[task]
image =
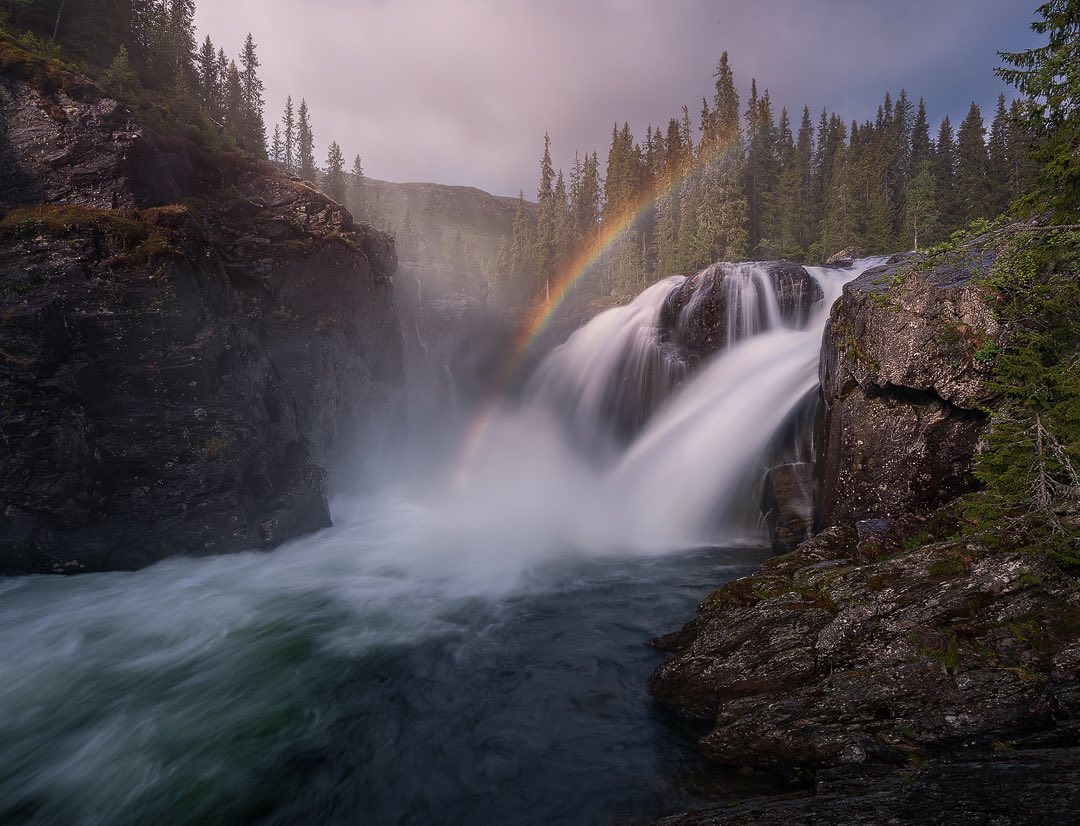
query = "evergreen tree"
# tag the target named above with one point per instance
(948, 209)
(357, 192)
(921, 147)
(920, 206)
(289, 135)
(275, 145)
(838, 228)
(1022, 170)
(544, 255)
(334, 182)
(305, 144)
(725, 104)
(251, 90)
(233, 113)
(120, 79)
(180, 42)
(209, 86)
(564, 225)
(795, 231)
(1049, 78)
(972, 185)
(896, 152)
(998, 159)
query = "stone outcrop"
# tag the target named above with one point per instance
(897, 654)
(695, 317)
(177, 373)
(1029, 786)
(788, 503)
(904, 368)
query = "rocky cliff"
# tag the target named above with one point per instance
(904, 373)
(894, 654)
(186, 338)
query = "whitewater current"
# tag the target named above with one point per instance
(460, 653)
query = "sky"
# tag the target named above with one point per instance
(462, 91)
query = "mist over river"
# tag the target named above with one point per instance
(348, 677)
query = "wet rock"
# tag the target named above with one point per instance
(91, 152)
(844, 258)
(824, 658)
(172, 379)
(788, 504)
(698, 316)
(1017, 787)
(904, 388)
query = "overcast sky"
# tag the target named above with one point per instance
(462, 91)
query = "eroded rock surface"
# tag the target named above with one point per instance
(698, 316)
(874, 652)
(904, 374)
(174, 376)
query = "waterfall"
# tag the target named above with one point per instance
(609, 377)
(683, 446)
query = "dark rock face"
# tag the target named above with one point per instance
(695, 317)
(173, 379)
(903, 389)
(54, 149)
(788, 504)
(1036, 786)
(823, 659)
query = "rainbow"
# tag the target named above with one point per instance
(563, 283)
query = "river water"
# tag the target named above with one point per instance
(332, 682)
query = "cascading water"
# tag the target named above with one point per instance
(442, 657)
(605, 382)
(693, 471)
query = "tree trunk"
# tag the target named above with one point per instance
(56, 28)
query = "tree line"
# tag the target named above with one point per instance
(748, 183)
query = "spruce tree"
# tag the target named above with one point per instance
(998, 159)
(357, 192)
(120, 79)
(233, 112)
(921, 147)
(920, 207)
(180, 38)
(544, 257)
(289, 135)
(209, 86)
(334, 182)
(972, 185)
(275, 145)
(251, 89)
(1022, 169)
(1049, 78)
(948, 209)
(305, 144)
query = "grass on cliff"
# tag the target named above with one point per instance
(133, 237)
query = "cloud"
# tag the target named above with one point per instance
(463, 92)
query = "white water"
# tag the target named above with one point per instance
(694, 468)
(689, 475)
(610, 374)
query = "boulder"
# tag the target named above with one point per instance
(788, 504)
(904, 376)
(698, 318)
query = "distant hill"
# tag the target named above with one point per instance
(439, 213)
